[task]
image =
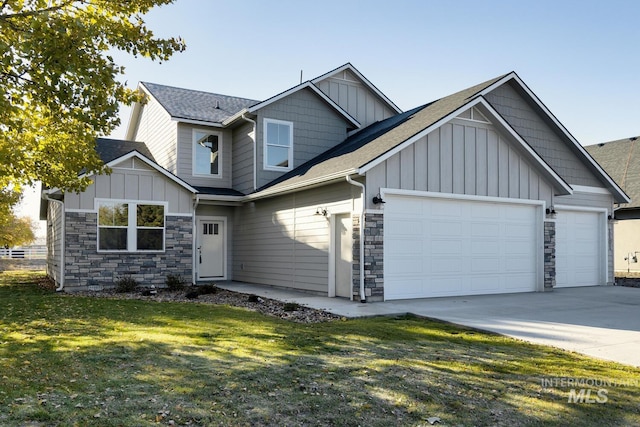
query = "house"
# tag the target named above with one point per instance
(329, 187)
(621, 160)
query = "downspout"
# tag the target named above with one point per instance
(195, 240)
(255, 151)
(363, 297)
(49, 199)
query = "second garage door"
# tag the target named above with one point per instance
(579, 252)
(445, 247)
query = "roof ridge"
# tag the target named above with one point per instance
(198, 91)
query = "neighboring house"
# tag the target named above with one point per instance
(480, 192)
(621, 160)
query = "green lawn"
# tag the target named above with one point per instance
(82, 361)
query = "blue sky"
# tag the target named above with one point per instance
(580, 57)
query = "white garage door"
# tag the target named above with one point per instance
(444, 247)
(579, 254)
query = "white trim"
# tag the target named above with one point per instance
(220, 154)
(132, 226)
(589, 189)
(196, 122)
(95, 211)
(453, 115)
(318, 92)
(266, 166)
(223, 219)
(534, 98)
(604, 246)
(364, 80)
(81, 210)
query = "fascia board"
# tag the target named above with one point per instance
(495, 116)
(513, 76)
(371, 86)
(305, 85)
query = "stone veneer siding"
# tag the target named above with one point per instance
(86, 269)
(373, 256)
(549, 255)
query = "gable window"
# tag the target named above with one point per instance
(278, 145)
(206, 152)
(130, 226)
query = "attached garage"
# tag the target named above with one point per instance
(437, 246)
(580, 250)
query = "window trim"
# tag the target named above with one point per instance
(132, 226)
(265, 145)
(193, 152)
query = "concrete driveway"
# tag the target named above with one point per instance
(600, 321)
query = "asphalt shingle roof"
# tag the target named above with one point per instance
(197, 105)
(111, 149)
(377, 139)
(621, 160)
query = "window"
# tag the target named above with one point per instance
(278, 145)
(206, 153)
(131, 227)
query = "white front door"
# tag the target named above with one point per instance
(210, 251)
(343, 255)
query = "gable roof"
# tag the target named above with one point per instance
(379, 141)
(110, 149)
(196, 105)
(621, 160)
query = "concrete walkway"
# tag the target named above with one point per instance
(601, 321)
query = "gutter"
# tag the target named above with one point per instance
(363, 297)
(255, 154)
(46, 197)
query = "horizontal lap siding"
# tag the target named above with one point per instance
(556, 150)
(54, 240)
(158, 132)
(242, 159)
(185, 157)
(282, 242)
(461, 158)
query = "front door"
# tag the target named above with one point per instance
(210, 253)
(343, 255)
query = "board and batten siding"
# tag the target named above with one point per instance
(553, 148)
(282, 242)
(185, 157)
(461, 157)
(316, 128)
(134, 181)
(346, 90)
(158, 132)
(54, 240)
(242, 158)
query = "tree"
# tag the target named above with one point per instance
(15, 231)
(59, 84)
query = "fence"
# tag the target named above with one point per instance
(28, 252)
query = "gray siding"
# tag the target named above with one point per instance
(132, 183)
(553, 148)
(346, 90)
(54, 240)
(282, 242)
(461, 157)
(158, 132)
(242, 158)
(316, 128)
(185, 157)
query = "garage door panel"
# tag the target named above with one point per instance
(468, 248)
(579, 250)
(407, 227)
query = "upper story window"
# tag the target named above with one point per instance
(130, 226)
(206, 152)
(278, 145)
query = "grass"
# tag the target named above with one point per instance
(79, 361)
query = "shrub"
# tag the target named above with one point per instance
(291, 306)
(253, 298)
(126, 284)
(174, 282)
(207, 289)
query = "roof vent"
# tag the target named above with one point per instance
(217, 104)
(633, 138)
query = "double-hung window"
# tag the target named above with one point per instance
(278, 145)
(206, 152)
(131, 226)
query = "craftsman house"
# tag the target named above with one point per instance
(329, 187)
